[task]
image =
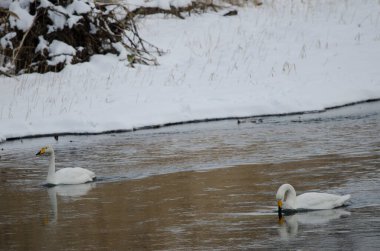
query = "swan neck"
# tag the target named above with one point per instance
(287, 194)
(291, 192)
(291, 196)
(51, 165)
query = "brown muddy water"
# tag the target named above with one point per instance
(207, 186)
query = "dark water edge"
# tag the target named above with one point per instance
(196, 121)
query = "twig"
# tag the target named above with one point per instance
(18, 49)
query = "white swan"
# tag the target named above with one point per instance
(287, 200)
(65, 176)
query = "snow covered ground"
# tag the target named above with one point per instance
(281, 57)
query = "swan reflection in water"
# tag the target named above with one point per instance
(289, 223)
(67, 192)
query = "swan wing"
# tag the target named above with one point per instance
(73, 175)
(314, 201)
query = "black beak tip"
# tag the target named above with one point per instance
(279, 212)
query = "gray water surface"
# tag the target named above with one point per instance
(208, 186)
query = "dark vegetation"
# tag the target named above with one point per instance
(103, 28)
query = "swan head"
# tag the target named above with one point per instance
(48, 150)
(286, 196)
(279, 199)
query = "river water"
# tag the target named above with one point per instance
(207, 186)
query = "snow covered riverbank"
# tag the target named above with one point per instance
(276, 58)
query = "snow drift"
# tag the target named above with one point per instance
(284, 56)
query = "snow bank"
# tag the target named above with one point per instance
(68, 16)
(60, 52)
(24, 20)
(80, 7)
(279, 58)
(6, 40)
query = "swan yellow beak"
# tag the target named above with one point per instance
(279, 204)
(42, 151)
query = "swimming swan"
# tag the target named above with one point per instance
(287, 200)
(65, 176)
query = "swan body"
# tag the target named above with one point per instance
(65, 176)
(287, 200)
